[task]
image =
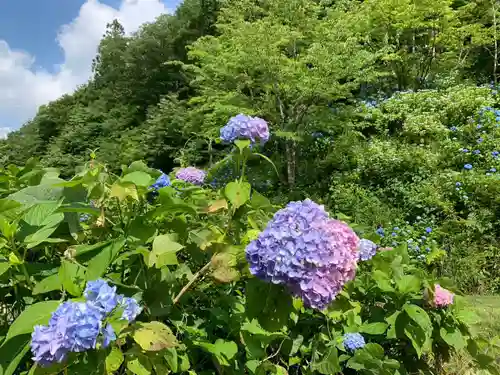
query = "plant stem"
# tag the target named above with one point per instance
(192, 281)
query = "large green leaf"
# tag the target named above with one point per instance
(38, 213)
(408, 284)
(453, 337)
(33, 315)
(50, 283)
(98, 265)
(270, 304)
(12, 353)
(374, 328)
(4, 266)
(223, 350)
(329, 364)
(419, 316)
(138, 178)
(164, 251)
(238, 193)
(72, 277)
(154, 336)
(7, 205)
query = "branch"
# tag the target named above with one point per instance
(192, 281)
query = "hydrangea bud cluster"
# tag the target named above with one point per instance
(442, 297)
(245, 127)
(302, 248)
(79, 326)
(367, 249)
(161, 182)
(192, 175)
(353, 341)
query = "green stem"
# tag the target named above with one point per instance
(23, 266)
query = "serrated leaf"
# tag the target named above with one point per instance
(164, 251)
(154, 336)
(37, 314)
(453, 337)
(123, 190)
(223, 350)
(38, 213)
(383, 281)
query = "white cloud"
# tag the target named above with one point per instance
(23, 89)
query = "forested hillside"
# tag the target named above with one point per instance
(375, 107)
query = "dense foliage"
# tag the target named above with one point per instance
(208, 281)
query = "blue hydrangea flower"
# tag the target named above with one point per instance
(367, 249)
(428, 229)
(428, 249)
(468, 166)
(101, 295)
(453, 128)
(465, 150)
(495, 154)
(395, 228)
(493, 170)
(458, 184)
(353, 341)
(302, 248)
(245, 127)
(131, 309)
(479, 126)
(476, 152)
(108, 335)
(480, 140)
(380, 232)
(84, 218)
(394, 234)
(73, 327)
(161, 182)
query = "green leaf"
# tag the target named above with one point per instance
(138, 178)
(7, 205)
(140, 366)
(72, 277)
(123, 190)
(37, 314)
(375, 350)
(374, 328)
(154, 336)
(39, 236)
(242, 144)
(383, 281)
(238, 193)
(4, 267)
(171, 358)
(418, 337)
(223, 350)
(408, 284)
(419, 316)
(38, 213)
(99, 264)
(114, 360)
(164, 251)
(270, 304)
(12, 354)
(48, 284)
(269, 161)
(453, 337)
(329, 364)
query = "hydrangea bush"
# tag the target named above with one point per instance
(203, 281)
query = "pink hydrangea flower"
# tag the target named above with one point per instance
(442, 297)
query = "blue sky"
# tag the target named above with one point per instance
(47, 46)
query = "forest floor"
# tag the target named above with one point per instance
(488, 310)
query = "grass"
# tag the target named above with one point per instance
(488, 310)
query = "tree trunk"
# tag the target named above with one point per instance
(291, 159)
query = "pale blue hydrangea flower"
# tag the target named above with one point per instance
(353, 341)
(102, 295)
(367, 249)
(131, 309)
